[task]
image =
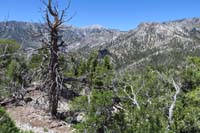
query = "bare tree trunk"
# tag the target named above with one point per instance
(54, 20)
(53, 91)
(54, 81)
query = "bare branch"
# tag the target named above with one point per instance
(49, 6)
(134, 99)
(177, 88)
(173, 104)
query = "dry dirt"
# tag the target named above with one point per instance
(28, 117)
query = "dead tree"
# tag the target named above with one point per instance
(173, 104)
(54, 20)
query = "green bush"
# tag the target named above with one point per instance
(154, 92)
(6, 124)
(98, 113)
(8, 46)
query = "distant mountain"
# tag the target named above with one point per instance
(21, 32)
(24, 33)
(157, 43)
(150, 43)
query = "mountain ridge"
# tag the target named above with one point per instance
(147, 42)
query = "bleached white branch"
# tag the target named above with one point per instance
(173, 104)
(177, 88)
(134, 99)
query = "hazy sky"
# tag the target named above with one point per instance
(118, 14)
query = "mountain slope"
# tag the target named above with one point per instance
(25, 34)
(157, 43)
(150, 43)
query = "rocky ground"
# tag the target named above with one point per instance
(32, 115)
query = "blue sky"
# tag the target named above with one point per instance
(117, 14)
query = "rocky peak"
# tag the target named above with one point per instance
(151, 39)
(95, 26)
(89, 36)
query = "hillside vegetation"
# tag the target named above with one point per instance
(154, 99)
(58, 78)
